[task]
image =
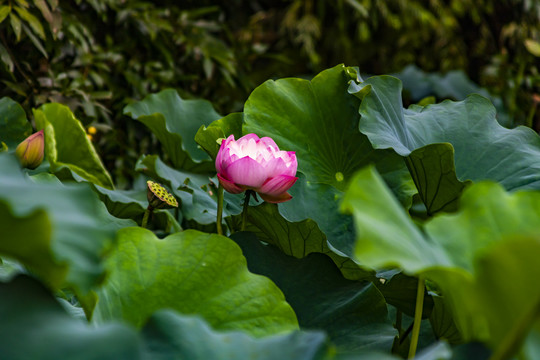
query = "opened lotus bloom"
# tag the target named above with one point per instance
(250, 163)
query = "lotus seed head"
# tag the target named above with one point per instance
(164, 198)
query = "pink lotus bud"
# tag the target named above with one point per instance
(30, 151)
(250, 163)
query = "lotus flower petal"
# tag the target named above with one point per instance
(229, 185)
(277, 185)
(276, 199)
(246, 171)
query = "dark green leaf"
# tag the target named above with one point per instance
(14, 127)
(175, 122)
(63, 228)
(298, 239)
(353, 313)
(169, 335)
(35, 326)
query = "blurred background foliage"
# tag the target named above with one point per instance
(96, 56)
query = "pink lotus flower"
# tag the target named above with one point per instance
(250, 163)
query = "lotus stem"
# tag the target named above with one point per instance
(399, 323)
(417, 316)
(147, 213)
(245, 210)
(219, 209)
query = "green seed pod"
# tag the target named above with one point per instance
(159, 197)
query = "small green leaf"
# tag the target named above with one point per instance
(208, 136)
(35, 41)
(15, 25)
(533, 47)
(45, 11)
(4, 12)
(6, 58)
(32, 21)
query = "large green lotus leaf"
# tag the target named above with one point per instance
(14, 127)
(196, 193)
(453, 85)
(175, 122)
(449, 249)
(59, 231)
(483, 148)
(67, 147)
(208, 136)
(298, 239)
(35, 326)
(318, 120)
(353, 313)
(193, 273)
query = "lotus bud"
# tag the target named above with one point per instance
(31, 150)
(159, 197)
(250, 163)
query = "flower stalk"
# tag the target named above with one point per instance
(219, 215)
(245, 209)
(417, 316)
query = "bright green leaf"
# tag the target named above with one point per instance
(4, 12)
(67, 147)
(450, 249)
(533, 47)
(193, 273)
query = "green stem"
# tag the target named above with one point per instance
(146, 216)
(219, 209)
(417, 317)
(399, 326)
(245, 209)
